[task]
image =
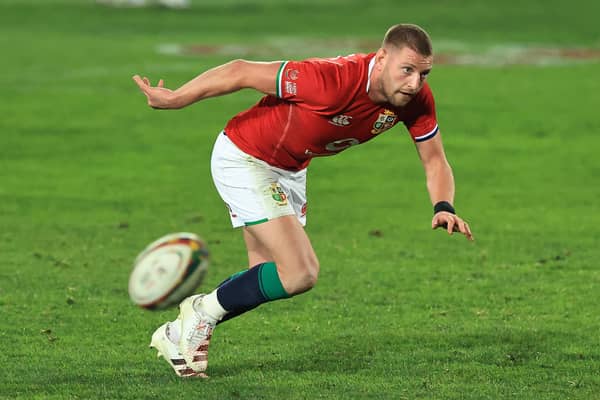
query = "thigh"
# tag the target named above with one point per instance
(258, 253)
(285, 240)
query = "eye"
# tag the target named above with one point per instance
(424, 75)
(407, 70)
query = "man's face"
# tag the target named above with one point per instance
(403, 73)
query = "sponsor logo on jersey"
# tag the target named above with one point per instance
(334, 147)
(341, 144)
(290, 88)
(341, 120)
(291, 74)
(384, 121)
(278, 194)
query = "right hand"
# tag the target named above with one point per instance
(452, 223)
(158, 96)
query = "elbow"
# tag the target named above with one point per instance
(237, 73)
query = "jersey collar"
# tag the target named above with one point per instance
(371, 65)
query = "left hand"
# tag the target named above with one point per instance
(452, 223)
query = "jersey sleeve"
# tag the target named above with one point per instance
(422, 123)
(315, 83)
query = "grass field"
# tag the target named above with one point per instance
(89, 175)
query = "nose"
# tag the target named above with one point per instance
(414, 81)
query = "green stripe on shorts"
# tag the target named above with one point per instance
(260, 221)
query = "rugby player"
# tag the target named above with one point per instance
(311, 108)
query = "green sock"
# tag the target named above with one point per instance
(250, 289)
(269, 282)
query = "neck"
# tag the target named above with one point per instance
(374, 93)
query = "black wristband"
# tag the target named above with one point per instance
(443, 206)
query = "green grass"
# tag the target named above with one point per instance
(89, 176)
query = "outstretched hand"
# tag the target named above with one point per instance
(158, 96)
(452, 223)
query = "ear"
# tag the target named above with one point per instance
(381, 58)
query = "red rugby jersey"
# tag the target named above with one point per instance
(321, 108)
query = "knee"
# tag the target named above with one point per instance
(310, 273)
(303, 277)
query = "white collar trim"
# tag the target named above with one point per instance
(371, 65)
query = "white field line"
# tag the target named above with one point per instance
(446, 52)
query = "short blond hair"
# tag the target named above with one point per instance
(409, 35)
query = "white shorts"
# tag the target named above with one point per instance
(253, 190)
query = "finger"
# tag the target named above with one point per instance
(438, 223)
(460, 226)
(463, 228)
(138, 80)
(146, 81)
(451, 225)
(142, 86)
(468, 232)
(161, 83)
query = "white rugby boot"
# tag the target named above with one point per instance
(196, 330)
(170, 352)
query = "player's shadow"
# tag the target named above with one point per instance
(350, 355)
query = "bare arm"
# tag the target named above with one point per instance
(440, 184)
(224, 79)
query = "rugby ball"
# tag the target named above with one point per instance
(168, 270)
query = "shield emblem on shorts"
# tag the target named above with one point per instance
(278, 194)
